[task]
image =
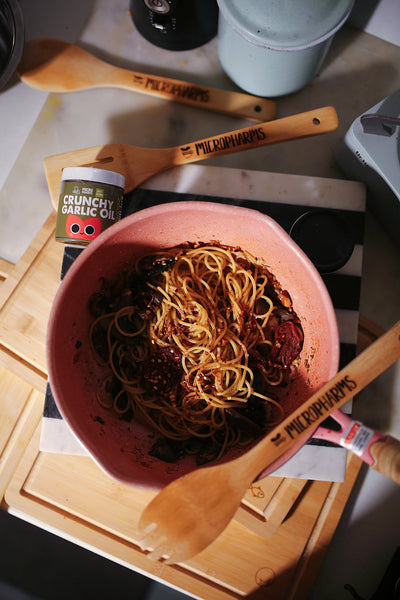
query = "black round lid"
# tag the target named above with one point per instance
(11, 39)
(326, 237)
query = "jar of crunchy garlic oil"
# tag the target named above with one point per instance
(90, 201)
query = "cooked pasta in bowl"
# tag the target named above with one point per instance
(188, 331)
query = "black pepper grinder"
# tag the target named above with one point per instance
(176, 24)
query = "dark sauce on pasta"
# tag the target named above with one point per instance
(195, 341)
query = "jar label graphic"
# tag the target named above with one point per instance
(88, 203)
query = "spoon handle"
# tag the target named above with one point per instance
(386, 455)
(138, 164)
(235, 104)
(57, 66)
(313, 122)
(300, 424)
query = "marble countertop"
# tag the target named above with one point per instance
(359, 71)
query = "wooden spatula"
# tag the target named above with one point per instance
(57, 66)
(138, 164)
(188, 514)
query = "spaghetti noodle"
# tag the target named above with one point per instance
(196, 339)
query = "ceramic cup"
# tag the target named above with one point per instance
(275, 48)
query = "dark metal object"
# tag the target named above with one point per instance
(176, 24)
(11, 39)
(389, 587)
(379, 124)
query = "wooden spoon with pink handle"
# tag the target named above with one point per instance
(138, 164)
(57, 66)
(188, 514)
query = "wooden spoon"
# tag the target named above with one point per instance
(188, 514)
(57, 66)
(138, 164)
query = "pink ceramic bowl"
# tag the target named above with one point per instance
(121, 448)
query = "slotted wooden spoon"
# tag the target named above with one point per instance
(138, 164)
(188, 514)
(57, 66)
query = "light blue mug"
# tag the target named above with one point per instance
(275, 47)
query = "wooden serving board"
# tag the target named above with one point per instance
(268, 502)
(278, 551)
(71, 495)
(26, 294)
(277, 539)
(21, 411)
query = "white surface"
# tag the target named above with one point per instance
(359, 71)
(14, 98)
(378, 17)
(19, 105)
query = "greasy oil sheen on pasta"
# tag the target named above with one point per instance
(195, 340)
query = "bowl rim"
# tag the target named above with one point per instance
(135, 219)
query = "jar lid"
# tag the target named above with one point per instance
(93, 174)
(285, 24)
(326, 237)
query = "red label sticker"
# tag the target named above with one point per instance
(357, 438)
(354, 428)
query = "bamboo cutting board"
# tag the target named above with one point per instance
(21, 411)
(72, 495)
(279, 535)
(26, 295)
